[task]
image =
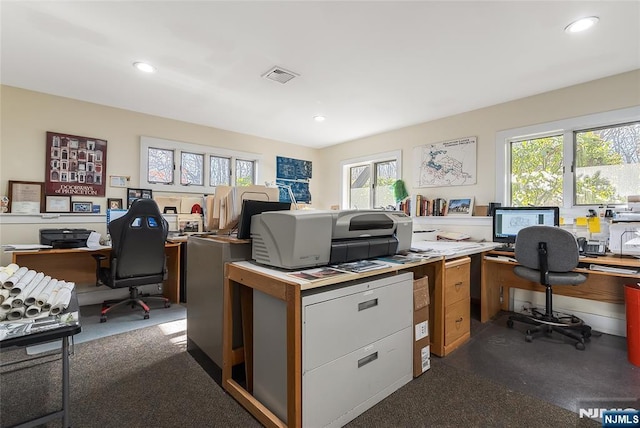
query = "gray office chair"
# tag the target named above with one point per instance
(548, 255)
(137, 255)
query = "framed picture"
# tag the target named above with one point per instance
(57, 204)
(82, 207)
(133, 194)
(114, 203)
(460, 206)
(26, 197)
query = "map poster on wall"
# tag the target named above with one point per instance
(75, 165)
(449, 163)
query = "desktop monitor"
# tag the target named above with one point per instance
(507, 221)
(114, 214)
(251, 208)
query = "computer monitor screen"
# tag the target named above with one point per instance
(114, 214)
(251, 208)
(507, 221)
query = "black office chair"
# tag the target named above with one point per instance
(548, 255)
(137, 255)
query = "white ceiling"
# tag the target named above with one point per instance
(369, 67)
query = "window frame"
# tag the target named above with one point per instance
(371, 160)
(178, 148)
(566, 128)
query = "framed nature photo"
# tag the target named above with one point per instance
(133, 194)
(82, 207)
(57, 204)
(460, 206)
(114, 203)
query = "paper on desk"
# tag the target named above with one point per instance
(23, 247)
(93, 241)
(444, 248)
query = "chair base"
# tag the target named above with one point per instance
(135, 299)
(567, 325)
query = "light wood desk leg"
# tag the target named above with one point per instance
(227, 330)
(294, 357)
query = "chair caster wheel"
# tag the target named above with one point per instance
(103, 318)
(146, 316)
(528, 337)
(510, 323)
(167, 305)
(580, 346)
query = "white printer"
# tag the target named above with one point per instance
(301, 239)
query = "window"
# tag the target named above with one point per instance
(368, 182)
(245, 171)
(587, 161)
(159, 158)
(220, 171)
(160, 166)
(191, 169)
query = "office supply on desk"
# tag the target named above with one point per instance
(624, 238)
(299, 239)
(444, 248)
(64, 238)
(508, 221)
(137, 255)
(25, 247)
(549, 255)
(591, 246)
(612, 269)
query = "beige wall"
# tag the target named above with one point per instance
(602, 95)
(26, 116)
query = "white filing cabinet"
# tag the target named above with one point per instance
(356, 348)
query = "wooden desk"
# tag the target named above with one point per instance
(248, 278)
(498, 279)
(77, 265)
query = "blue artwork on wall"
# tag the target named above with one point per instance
(294, 174)
(293, 169)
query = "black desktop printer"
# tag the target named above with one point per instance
(64, 238)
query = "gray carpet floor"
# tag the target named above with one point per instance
(145, 378)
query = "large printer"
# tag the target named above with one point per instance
(306, 238)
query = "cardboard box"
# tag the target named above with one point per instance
(421, 343)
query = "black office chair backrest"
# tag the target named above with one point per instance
(138, 240)
(561, 246)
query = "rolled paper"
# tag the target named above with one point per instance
(24, 281)
(7, 271)
(62, 299)
(32, 311)
(6, 305)
(4, 294)
(43, 297)
(59, 298)
(15, 313)
(19, 300)
(13, 279)
(31, 299)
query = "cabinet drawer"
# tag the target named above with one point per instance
(335, 327)
(457, 280)
(457, 322)
(337, 392)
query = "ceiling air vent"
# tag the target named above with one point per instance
(280, 75)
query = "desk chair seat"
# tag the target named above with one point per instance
(137, 256)
(548, 255)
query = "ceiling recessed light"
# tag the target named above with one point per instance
(143, 66)
(581, 24)
(319, 118)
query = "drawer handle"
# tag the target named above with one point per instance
(368, 304)
(459, 320)
(366, 360)
(458, 285)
